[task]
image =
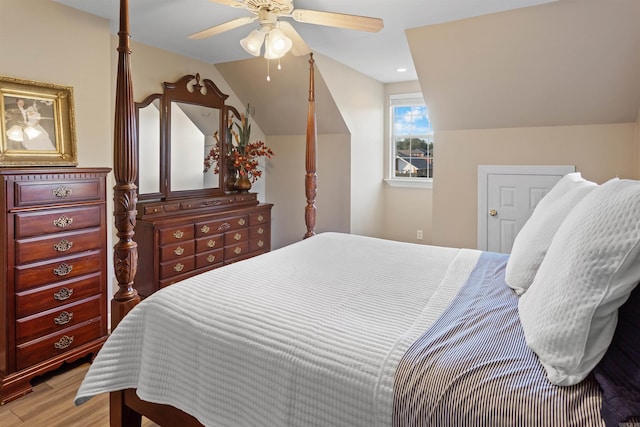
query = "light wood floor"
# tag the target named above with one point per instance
(51, 403)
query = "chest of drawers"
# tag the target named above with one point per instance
(53, 298)
(182, 243)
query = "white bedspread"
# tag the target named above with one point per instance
(306, 335)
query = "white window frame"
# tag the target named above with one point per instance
(392, 180)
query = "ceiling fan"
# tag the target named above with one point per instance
(280, 35)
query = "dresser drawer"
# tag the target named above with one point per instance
(32, 327)
(236, 250)
(38, 249)
(259, 245)
(209, 243)
(222, 225)
(58, 343)
(236, 236)
(172, 268)
(262, 217)
(176, 234)
(209, 259)
(57, 192)
(54, 221)
(47, 297)
(177, 251)
(55, 271)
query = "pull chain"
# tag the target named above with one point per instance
(268, 76)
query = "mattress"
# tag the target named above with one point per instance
(310, 334)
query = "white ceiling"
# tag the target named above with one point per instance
(167, 23)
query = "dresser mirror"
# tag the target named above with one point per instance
(148, 121)
(177, 130)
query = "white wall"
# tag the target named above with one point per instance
(286, 187)
(406, 210)
(599, 152)
(63, 46)
(361, 101)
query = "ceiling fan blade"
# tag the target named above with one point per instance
(229, 25)
(341, 20)
(232, 3)
(299, 47)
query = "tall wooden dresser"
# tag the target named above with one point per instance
(53, 298)
(181, 238)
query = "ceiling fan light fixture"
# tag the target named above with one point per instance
(277, 44)
(253, 42)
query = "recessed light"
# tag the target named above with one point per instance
(401, 70)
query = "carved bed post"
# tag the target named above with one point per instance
(310, 180)
(125, 196)
(125, 158)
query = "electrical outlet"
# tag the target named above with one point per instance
(419, 234)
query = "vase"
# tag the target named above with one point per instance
(243, 184)
(231, 178)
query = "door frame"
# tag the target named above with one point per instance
(483, 183)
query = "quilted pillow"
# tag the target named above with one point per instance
(569, 313)
(533, 240)
(618, 373)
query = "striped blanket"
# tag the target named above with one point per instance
(473, 368)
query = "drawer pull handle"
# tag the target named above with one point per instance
(260, 243)
(224, 226)
(211, 243)
(63, 245)
(63, 269)
(63, 318)
(179, 267)
(237, 250)
(205, 229)
(211, 258)
(260, 230)
(63, 294)
(178, 251)
(63, 342)
(237, 236)
(178, 234)
(63, 221)
(260, 218)
(241, 221)
(62, 192)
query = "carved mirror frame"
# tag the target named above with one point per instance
(189, 90)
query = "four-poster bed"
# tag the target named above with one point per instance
(339, 329)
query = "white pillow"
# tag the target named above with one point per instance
(569, 313)
(533, 240)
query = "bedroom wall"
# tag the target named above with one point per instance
(43, 41)
(550, 84)
(600, 152)
(361, 101)
(287, 189)
(405, 209)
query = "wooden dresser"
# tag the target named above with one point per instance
(53, 299)
(181, 238)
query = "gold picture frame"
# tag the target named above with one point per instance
(37, 124)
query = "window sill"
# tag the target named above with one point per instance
(410, 182)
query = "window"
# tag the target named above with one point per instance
(411, 139)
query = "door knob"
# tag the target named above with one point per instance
(493, 212)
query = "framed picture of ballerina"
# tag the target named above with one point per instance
(37, 124)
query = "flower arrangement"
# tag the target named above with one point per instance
(242, 155)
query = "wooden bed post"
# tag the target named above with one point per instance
(310, 180)
(125, 197)
(125, 192)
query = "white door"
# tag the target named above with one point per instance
(507, 195)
